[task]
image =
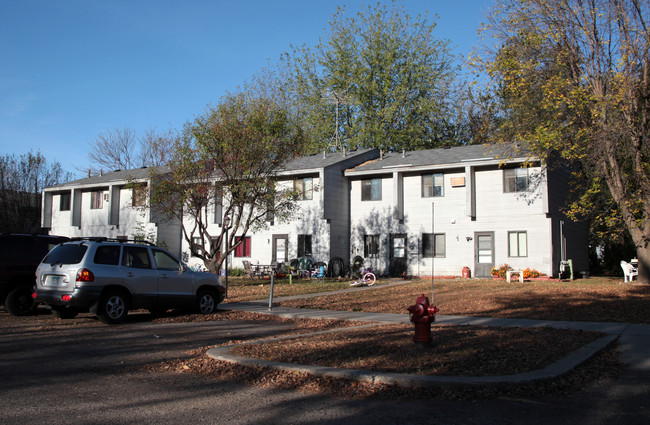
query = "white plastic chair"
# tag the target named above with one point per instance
(629, 271)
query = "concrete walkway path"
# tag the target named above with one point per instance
(634, 340)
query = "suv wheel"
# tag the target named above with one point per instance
(19, 302)
(206, 301)
(113, 307)
(64, 312)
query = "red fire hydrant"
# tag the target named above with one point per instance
(422, 314)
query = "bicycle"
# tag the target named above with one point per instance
(367, 278)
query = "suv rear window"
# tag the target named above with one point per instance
(66, 254)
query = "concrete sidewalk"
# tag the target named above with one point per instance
(634, 340)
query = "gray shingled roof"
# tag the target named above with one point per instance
(309, 162)
(111, 176)
(444, 156)
(321, 160)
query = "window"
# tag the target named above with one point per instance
(371, 246)
(517, 244)
(304, 246)
(96, 200)
(64, 201)
(304, 188)
(107, 254)
(433, 244)
(218, 204)
(165, 261)
(139, 195)
(371, 190)
(244, 249)
(515, 180)
(197, 246)
(136, 257)
(432, 185)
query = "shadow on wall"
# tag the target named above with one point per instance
(378, 223)
(312, 224)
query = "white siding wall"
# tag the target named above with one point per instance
(306, 220)
(94, 222)
(373, 218)
(496, 212)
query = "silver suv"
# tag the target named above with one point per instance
(108, 278)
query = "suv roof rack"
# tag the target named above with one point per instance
(105, 239)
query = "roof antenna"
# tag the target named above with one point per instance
(337, 99)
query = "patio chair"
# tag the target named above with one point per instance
(248, 269)
(629, 271)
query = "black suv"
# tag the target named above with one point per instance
(110, 277)
(19, 256)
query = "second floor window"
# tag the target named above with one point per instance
(432, 185)
(64, 202)
(515, 180)
(304, 188)
(139, 195)
(371, 190)
(96, 200)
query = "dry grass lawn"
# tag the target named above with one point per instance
(456, 350)
(592, 300)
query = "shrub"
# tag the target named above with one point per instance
(500, 271)
(236, 271)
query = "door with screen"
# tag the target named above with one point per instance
(397, 265)
(280, 248)
(483, 254)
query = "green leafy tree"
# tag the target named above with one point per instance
(225, 164)
(22, 178)
(574, 77)
(378, 79)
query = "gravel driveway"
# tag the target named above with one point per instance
(84, 372)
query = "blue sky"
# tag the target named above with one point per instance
(70, 69)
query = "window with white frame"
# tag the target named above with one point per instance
(64, 201)
(304, 188)
(371, 189)
(517, 244)
(433, 245)
(371, 246)
(218, 204)
(515, 180)
(139, 195)
(96, 200)
(197, 246)
(432, 185)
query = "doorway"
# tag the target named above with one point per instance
(280, 248)
(483, 253)
(397, 255)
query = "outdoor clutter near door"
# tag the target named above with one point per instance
(509, 274)
(630, 269)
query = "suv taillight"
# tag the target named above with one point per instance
(85, 275)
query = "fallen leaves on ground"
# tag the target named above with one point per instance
(601, 300)
(456, 350)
